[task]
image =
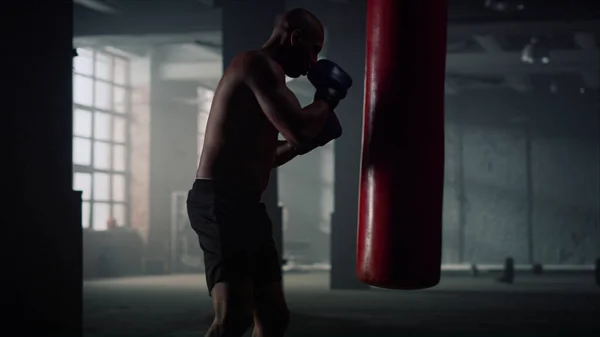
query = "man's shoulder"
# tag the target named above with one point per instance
(251, 56)
(255, 62)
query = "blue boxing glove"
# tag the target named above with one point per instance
(331, 130)
(331, 81)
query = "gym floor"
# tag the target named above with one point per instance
(178, 306)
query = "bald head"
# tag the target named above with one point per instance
(296, 41)
(300, 19)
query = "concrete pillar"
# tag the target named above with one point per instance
(43, 257)
(139, 189)
(345, 44)
(173, 156)
(246, 26)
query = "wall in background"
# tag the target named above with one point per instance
(112, 253)
(489, 183)
(522, 178)
(173, 153)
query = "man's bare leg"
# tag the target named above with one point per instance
(271, 315)
(233, 305)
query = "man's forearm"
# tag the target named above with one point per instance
(304, 130)
(284, 153)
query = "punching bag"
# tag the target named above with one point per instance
(402, 168)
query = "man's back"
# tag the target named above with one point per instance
(240, 141)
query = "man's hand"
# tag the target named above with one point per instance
(331, 81)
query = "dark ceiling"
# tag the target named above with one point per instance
(485, 37)
(93, 17)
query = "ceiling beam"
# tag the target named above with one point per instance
(211, 3)
(100, 6)
(509, 63)
(491, 45)
(147, 39)
(191, 71)
(466, 29)
(506, 65)
(587, 42)
(451, 87)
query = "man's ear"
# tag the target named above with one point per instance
(296, 37)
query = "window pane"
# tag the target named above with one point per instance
(82, 90)
(103, 97)
(84, 62)
(119, 158)
(82, 151)
(85, 214)
(120, 99)
(101, 215)
(82, 123)
(118, 187)
(102, 126)
(101, 186)
(101, 156)
(83, 182)
(103, 66)
(120, 71)
(119, 214)
(120, 130)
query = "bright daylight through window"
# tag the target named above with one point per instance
(101, 96)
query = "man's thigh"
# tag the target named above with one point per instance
(267, 265)
(223, 238)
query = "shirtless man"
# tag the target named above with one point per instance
(251, 107)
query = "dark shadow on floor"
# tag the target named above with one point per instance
(303, 325)
(178, 306)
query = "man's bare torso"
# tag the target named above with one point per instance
(240, 142)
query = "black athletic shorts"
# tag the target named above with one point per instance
(235, 233)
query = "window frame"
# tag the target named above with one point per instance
(111, 142)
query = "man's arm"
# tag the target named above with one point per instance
(284, 153)
(298, 125)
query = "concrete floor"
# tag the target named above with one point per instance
(178, 306)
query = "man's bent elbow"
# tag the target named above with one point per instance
(297, 140)
(302, 144)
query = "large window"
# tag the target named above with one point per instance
(101, 97)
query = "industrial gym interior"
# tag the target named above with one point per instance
(521, 200)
